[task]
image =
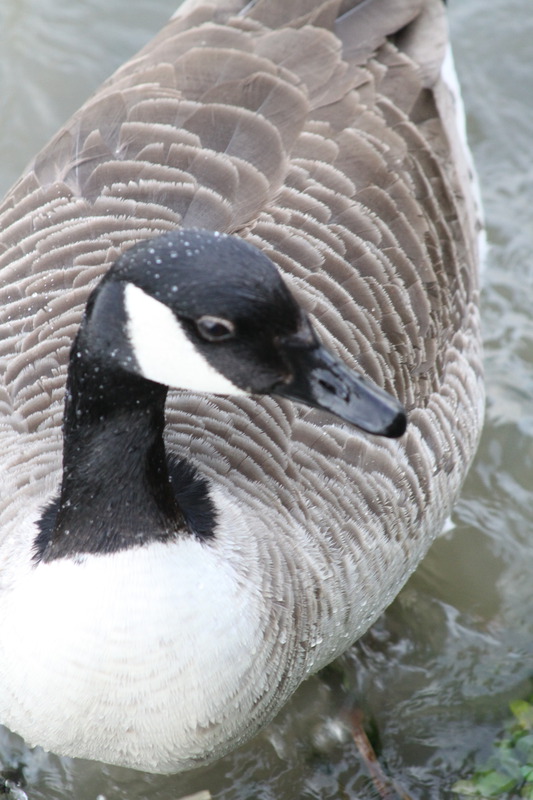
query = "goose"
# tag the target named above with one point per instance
(226, 284)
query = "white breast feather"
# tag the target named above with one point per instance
(169, 631)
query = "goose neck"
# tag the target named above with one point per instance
(115, 490)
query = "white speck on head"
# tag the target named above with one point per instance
(164, 352)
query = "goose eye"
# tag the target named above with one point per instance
(215, 329)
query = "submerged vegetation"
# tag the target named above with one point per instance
(508, 772)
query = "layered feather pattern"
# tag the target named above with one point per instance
(322, 133)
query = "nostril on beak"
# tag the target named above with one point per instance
(327, 386)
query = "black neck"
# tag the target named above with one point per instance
(116, 491)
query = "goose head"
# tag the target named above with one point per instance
(208, 312)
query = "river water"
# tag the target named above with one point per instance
(435, 675)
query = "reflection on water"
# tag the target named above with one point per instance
(437, 672)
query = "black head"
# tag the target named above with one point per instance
(208, 312)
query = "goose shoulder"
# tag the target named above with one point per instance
(328, 142)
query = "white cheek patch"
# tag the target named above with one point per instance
(164, 352)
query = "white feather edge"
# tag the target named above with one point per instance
(451, 81)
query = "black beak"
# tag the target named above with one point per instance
(322, 381)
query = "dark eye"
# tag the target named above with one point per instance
(215, 329)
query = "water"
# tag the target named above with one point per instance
(435, 675)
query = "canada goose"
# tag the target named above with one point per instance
(164, 605)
